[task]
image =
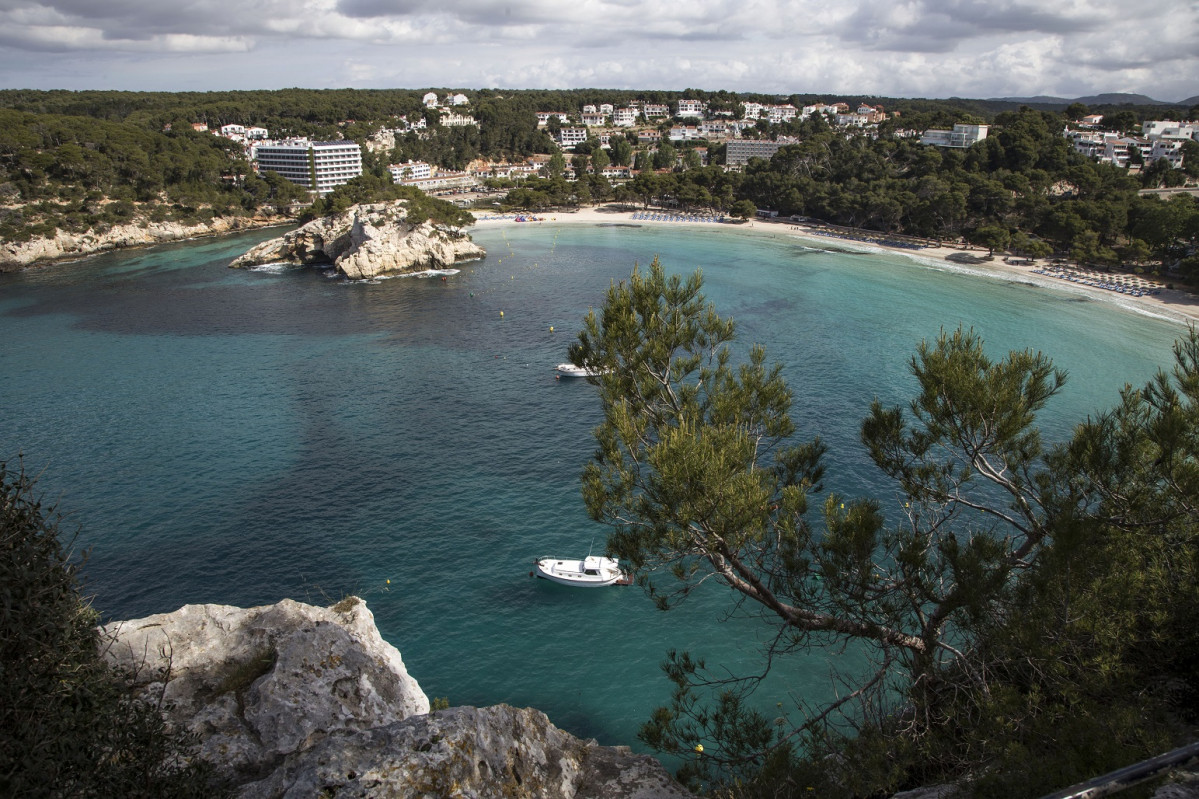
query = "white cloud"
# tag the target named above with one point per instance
(887, 47)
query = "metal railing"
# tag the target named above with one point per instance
(1118, 780)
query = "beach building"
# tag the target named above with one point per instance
(739, 151)
(320, 166)
(960, 137)
(413, 170)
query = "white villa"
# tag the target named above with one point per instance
(413, 170)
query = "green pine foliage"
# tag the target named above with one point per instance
(1030, 613)
(68, 724)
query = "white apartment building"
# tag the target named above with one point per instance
(624, 117)
(1169, 149)
(606, 108)
(257, 134)
(430, 100)
(229, 131)
(961, 136)
(543, 117)
(690, 108)
(456, 99)
(320, 166)
(685, 133)
(781, 113)
(594, 119)
(569, 137)
(1164, 129)
(413, 170)
(652, 110)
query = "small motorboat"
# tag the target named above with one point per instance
(592, 571)
(570, 370)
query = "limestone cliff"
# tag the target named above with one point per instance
(365, 241)
(19, 254)
(292, 700)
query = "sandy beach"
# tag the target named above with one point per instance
(1155, 300)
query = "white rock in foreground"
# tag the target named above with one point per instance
(262, 683)
(365, 241)
(484, 753)
(292, 700)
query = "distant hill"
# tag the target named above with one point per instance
(1190, 101)
(1097, 99)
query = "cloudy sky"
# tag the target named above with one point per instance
(899, 48)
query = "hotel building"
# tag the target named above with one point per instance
(320, 166)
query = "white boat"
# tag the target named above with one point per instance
(570, 370)
(590, 572)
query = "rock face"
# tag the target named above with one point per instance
(486, 752)
(17, 255)
(365, 241)
(292, 700)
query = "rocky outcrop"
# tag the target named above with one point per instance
(292, 700)
(365, 241)
(19, 254)
(485, 752)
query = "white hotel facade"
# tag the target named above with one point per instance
(320, 166)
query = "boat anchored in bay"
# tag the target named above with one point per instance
(592, 571)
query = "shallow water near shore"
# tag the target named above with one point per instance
(238, 437)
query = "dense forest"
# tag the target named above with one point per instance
(74, 160)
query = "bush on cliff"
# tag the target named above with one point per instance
(68, 725)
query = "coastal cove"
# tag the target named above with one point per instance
(238, 437)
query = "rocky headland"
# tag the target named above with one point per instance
(365, 241)
(292, 700)
(16, 255)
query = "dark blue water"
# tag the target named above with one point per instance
(239, 437)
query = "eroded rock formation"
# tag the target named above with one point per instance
(292, 700)
(365, 241)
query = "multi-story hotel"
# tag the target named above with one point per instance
(320, 166)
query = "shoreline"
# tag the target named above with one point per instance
(1169, 304)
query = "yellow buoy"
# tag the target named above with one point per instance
(501, 313)
(699, 748)
(551, 328)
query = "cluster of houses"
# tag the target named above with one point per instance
(321, 166)
(573, 129)
(1159, 139)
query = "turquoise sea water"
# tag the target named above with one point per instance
(242, 436)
